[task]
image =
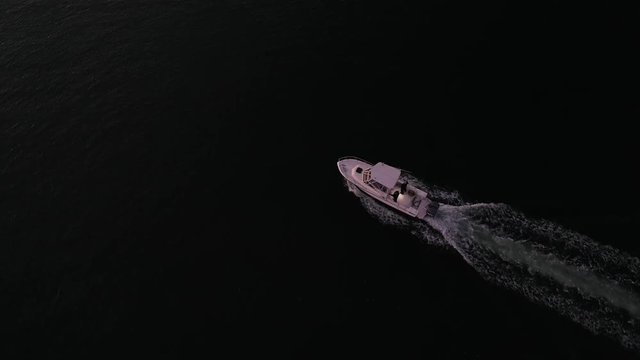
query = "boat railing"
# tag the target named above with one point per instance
(367, 162)
(353, 157)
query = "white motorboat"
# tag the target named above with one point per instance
(382, 183)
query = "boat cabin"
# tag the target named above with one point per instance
(380, 176)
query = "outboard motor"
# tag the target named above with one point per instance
(395, 196)
(403, 188)
(432, 208)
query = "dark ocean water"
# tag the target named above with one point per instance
(168, 181)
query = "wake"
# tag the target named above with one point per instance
(595, 285)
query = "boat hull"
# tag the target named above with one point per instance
(408, 200)
(383, 203)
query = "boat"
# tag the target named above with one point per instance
(382, 183)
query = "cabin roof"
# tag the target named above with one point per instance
(385, 174)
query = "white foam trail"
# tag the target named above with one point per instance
(593, 284)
